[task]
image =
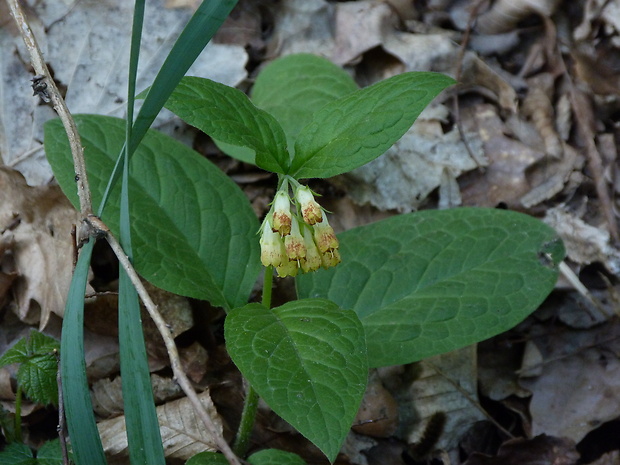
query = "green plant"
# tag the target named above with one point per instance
(37, 356)
(408, 287)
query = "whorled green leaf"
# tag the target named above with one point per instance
(355, 129)
(193, 229)
(38, 366)
(307, 360)
(275, 457)
(294, 87)
(228, 115)
(434, 281)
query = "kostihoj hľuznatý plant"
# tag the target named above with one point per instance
(392, 292)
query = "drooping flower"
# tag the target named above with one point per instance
(324, 235)
(271, 247)
(294, 242)
(311, 211)
(330, 258)
(312, 260)
(288, 268)
(282, 217)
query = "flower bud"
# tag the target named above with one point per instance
(310, 210)
(271, 248)
(282, 214)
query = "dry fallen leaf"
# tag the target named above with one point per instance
(422, 160)
(42, 245)
(182, 432)
(584, 243)
(587, 358)
(435, 390)
(541, 450)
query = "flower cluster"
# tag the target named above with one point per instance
(301, 240)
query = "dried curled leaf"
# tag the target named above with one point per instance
(182, 431)
(39, 221)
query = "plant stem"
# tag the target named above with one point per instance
(250, 405)
(18, 415)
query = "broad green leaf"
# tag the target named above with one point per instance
(357, 128)
(307, 360)
(434, 281)
(275, 457)
(228, 115)
(17, 454)
(294, 87)
(38, 366)
(193, 229)
(207, 458)
(83, 432)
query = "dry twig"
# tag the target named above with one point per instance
(43, 75)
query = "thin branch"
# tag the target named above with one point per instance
(100, 229)
(51, 91)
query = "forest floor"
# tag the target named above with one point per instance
(533, 126)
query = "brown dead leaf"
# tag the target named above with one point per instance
(107, 394)
(425, 158)
(505, 14)
(504, 180)
(378, 412)
(541, 450)
(584, 243)
(445, 383)
(585, 357)
(182, 432)
(42, 245)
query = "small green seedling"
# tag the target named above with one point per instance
(37, 356)
(392, 292)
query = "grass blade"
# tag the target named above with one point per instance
(143, 436)
(195, 36)
(87, 449)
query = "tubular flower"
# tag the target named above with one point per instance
(282, 217)
(310, 209)
(312, 260)
(330, 258)
(290, 244)
(294, 242)
(324, 235)
(272, 251)
(288, 268)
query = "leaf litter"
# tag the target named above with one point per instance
(535, 130)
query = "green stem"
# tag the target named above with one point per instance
(250, 406)
(18, 415)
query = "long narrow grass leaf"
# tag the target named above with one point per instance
(85, 441)
(195, 36)
(143, 436)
